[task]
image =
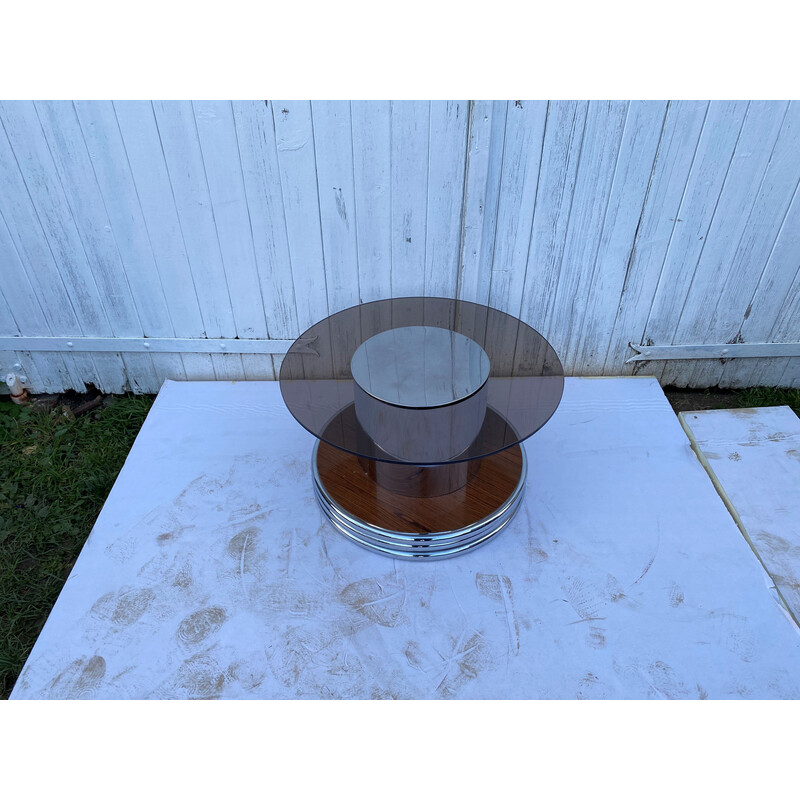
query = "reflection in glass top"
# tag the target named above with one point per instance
(524, 386)
(419, 366)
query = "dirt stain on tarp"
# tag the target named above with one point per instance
(200, 624)
(676, 597)
(297, 652)
(247, 674)
(500, 588)
(413, 654)
(201, 677)
(79, 681)
(597, 638)
(775, 543)
(183, 577)
(381, 600)
(123, 608)
(468, 658)
(585, 598)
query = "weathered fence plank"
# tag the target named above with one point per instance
(599, 223)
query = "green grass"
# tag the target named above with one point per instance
(55, 474)
(765, 396)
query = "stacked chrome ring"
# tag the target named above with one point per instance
(398, 544)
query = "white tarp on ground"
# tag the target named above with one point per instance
(212, 573)
(754, 454)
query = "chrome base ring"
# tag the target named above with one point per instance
(430, 545)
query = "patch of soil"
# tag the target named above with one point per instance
(700, 399)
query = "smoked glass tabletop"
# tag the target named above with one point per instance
(422, 355)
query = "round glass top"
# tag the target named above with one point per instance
(524, 384)
(419, 366)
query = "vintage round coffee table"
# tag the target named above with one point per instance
(419, 406)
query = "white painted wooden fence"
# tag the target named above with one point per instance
(598, 223)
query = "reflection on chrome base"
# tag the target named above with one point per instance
(433, 545)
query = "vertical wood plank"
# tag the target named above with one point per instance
(180, 142)
(137, 125)
(333, 148)
(255, 134)
(371, 122)
(9, 359)
(754, 274)
(605, 123)
(785, 330)
(556, 187)
(410, 156)
(223, 172)
(678, 143)
(33, 157)
(714, 152)
(177, 130)
(731, 263)
(298, 173)
(600, 300)
(25, 313)
(484, 166)
(522, 150)
(66, 143)
(767, 319)
(80, 270)
(225, 219)
(447, 153)
(294, 140)
(28, 241)
(112, 172)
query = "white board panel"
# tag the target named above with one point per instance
(754, 455)
(211, 573)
